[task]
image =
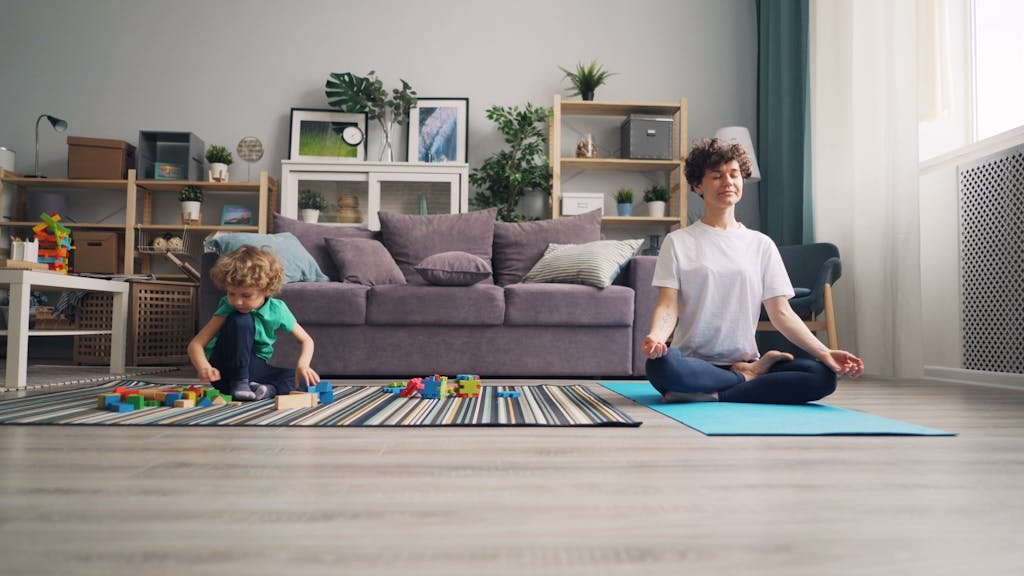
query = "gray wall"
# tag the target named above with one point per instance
(234, 68)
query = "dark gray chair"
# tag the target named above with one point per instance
(813, 269)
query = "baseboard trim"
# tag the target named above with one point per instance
(977, 377)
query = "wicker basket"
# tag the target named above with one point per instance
(161, 322)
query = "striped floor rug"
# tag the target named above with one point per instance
(353, 406)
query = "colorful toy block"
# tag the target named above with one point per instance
(509, 393)
(411, 388)
(295, 400)
(469, 388)
(184, 403)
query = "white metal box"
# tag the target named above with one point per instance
(580, 202)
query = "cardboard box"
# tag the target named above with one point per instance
(96, 252)
(580, 202)
(99, 158)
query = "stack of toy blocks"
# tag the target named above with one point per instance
(436, 387)
(54, 242)
(124, 399)
(321, 393)
(469, 385)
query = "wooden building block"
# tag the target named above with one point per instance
(295, 400)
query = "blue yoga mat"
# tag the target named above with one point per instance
(733, 419)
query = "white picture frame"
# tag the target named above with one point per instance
(439, 130)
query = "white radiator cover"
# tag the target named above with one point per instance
(991, 207)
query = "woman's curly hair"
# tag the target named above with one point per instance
(713, 152)
(250, 267)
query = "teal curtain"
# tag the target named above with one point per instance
(783, 121)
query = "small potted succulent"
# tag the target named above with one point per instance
(624, 201)
(191, 198)
(656, 197)
(586, 79)
(219, 158)
(311, 202)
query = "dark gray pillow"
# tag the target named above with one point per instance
(312, 237)
(519, 246)
(454, 269)
(410, 238)
(363, 261)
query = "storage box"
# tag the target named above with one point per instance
(96, 252)
(647, 137)
(579, 202)
(99, 158)
(162, 321)
(182, 150)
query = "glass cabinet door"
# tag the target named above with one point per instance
(412, 193)
(347, 195)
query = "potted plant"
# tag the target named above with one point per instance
(350, 93)
(311, 202)
(191, 198)
(624, 201)
(586, 79)
(656, 197)
(219, 158)
(504, 178)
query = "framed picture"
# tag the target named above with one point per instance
(439, 130)
(327, 135)
(236, 215)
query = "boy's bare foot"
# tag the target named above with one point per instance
(751, 370)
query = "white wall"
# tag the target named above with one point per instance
(234, 68)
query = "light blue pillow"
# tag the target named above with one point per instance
(299, 266)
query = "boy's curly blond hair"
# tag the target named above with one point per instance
(249, 267)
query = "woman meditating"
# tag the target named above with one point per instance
(712, 278)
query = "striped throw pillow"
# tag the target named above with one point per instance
(594, 263)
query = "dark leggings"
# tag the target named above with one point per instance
(787, 382)
(233, 356)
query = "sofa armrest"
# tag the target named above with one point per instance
(209, 294)
(639, 276)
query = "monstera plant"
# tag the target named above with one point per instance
(351, 93)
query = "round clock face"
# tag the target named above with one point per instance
(250, 149)
(352, 135)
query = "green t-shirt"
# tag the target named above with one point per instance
(267, 319)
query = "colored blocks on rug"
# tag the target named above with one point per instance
(508, 394)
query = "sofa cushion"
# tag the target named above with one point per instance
(299, 265)
(426, 305)
(568, 305)
(454, 269)
(326, 303)
(595, 264)
(363, 261)
(519, 246)
(410, 238)
(312, 237)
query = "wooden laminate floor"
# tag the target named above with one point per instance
(659, 499)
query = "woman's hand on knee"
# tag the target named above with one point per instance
(843, 363)
(653, 348)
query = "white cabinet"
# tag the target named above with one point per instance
(405, 187)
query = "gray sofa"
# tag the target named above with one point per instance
(500, 327)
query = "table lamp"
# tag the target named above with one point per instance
(58, 125)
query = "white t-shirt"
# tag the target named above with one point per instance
(722, 277)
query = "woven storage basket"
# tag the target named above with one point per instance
(161, 322)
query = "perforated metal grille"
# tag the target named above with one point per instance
(992, 262)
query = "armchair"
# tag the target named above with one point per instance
(813, 269)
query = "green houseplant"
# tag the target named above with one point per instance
(586, 79)
(656, 197)
(311, 202)
(350, 93)
(219, 158)
(624, 201)
(522, 167)
(191, 198)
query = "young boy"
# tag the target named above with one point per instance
(233, 350)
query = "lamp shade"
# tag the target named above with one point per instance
(740, 135)
(58, 124)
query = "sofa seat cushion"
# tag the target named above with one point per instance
(340, 303)
(568, 305)
(425, 305)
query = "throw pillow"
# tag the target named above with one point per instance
(594, 264)
(410, 238)
(454, 269)
(363, 261)
(312, 238)
(299, 266)
(518, 246)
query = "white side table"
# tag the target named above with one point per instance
(21, 282)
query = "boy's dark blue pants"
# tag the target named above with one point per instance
(233, 356)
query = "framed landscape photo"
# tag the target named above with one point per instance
(327, 135)
(439, 130)
(236, 215)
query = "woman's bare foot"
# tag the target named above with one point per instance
(751, 370)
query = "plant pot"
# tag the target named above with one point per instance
(656, 209)
(625, 209)
(587, 95)
(218, 172)
(308, 215)
(191, 211)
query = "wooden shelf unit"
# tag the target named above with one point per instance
(672, 168)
